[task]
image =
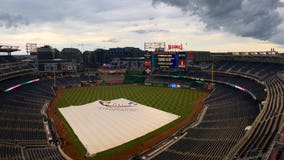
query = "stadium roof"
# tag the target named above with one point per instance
(8, 49)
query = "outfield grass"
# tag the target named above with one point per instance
(176, 101)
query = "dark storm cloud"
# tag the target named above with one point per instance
(145, 31)
(19, 12)
(248, 18)
(8, 20)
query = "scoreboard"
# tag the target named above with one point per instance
(167, 60)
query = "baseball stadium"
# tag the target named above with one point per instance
(159, 105)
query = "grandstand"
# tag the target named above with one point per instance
(240, 124)
(11, 67)
(222, 127)
(112, 76)
(26, 132)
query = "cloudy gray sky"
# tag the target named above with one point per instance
(214, 25)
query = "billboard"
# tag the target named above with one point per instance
(182, 60)
(154, 46)
(175, 61)
(147, 60)
(174, 85)
(154, 63)
(147, 63)
(190, 55)
(190, 58)
(31, 47)
(175, 47)
(181, 63)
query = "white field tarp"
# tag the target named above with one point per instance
(102, 125)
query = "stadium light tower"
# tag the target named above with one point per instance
(186, 46)
(83, 46)
(212, 73)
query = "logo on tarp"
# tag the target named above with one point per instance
(105, 103)
(117, 105)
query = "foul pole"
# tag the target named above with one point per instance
(212, 74)
(54, 75)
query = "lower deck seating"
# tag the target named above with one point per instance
(268, 124)
(229, 112)
(22, 133)
(8, 152)
(50, 153)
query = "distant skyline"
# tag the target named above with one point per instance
(211, 25)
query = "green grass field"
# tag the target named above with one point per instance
(177, 101)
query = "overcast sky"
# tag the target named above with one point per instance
(213, 25)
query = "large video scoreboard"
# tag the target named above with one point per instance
(169, 60)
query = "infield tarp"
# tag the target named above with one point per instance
(102, 125)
